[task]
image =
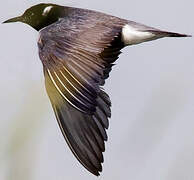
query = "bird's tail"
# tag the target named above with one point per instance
(168, 34)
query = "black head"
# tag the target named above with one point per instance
(40, 16)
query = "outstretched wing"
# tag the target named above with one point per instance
(77, 58)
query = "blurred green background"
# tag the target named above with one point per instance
(151, 130)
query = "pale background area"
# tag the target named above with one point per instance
(151, 134)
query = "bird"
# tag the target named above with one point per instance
(78, 48)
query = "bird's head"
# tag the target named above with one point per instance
(40, 16)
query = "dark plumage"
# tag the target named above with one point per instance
(77, 48)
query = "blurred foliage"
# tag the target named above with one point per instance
(22, 137)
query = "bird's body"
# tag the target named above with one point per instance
(77, 48)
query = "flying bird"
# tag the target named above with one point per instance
(78, 48)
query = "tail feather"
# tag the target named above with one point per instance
(168, 34)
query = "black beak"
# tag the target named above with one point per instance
(16, 19)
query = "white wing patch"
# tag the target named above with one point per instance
(131, 36)
(47, 10)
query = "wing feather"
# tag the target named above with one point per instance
(77, 57)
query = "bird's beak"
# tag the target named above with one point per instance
(16, 19)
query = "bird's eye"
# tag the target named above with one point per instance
(47, 10)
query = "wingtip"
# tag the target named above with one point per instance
(95, 173)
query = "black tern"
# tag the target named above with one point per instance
(78, 48)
